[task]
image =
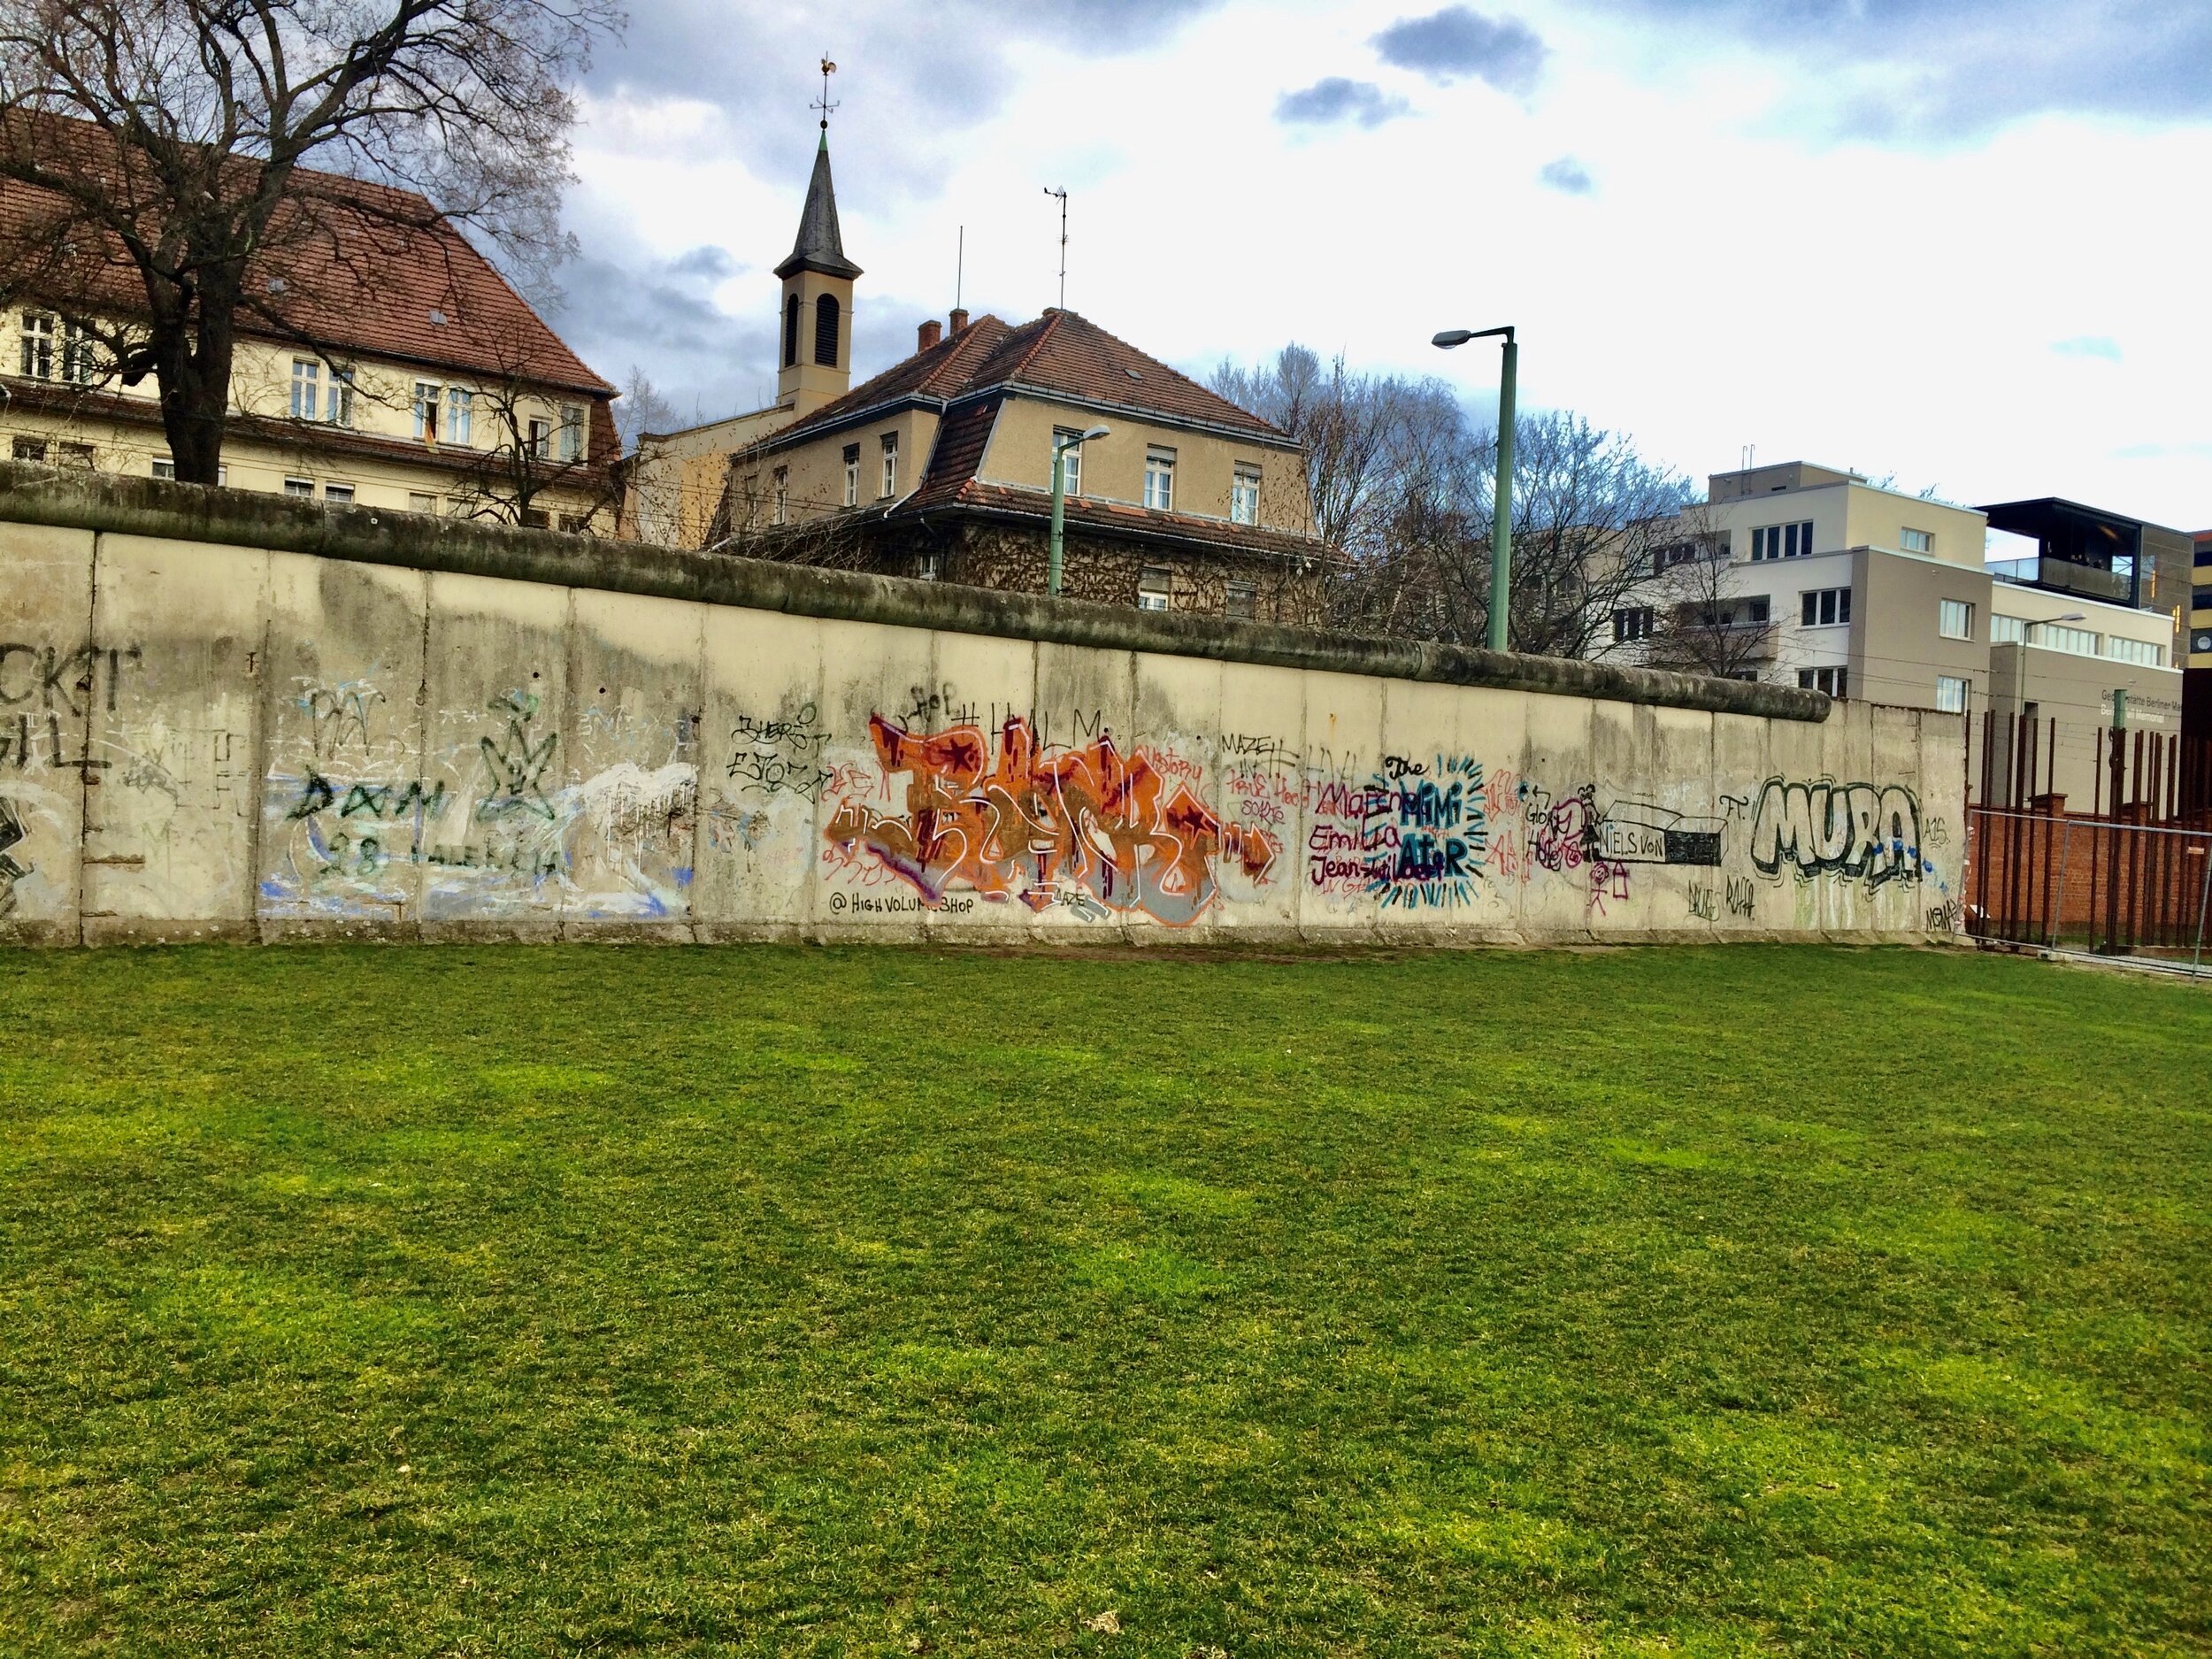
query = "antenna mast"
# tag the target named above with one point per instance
(824, 103)
(1063, 194)
(959, 267)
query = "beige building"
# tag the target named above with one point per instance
(941, 467)
(407, 374)
(1841, 586)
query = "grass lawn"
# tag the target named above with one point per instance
(801, 1301)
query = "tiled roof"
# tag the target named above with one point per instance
(1010, 501)
(364, 269)
(962, 437)
(820, 246)
(1061, 353)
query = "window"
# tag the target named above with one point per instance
(1824, 607)
(76, 455)
(890, 465)
(538, 437)
(339, 409)
(79, 364)
(573, 523)
(1154, 588)
(1631, 625)
(1240, 600)
(426, 412)
(1917, 541)
(2006, 630)
(852, 475)
(1955, 619)
(417, 501)
(1070, 460)
(2143, 651)
(1244, 495)
(572, 433)
(299, 487)
(1665, 559)
(1950, 695)
(927, 566)
(1834, 681)
(791, 331)
(29, 449)
(460, 416)
(338, 494)
(783, 495)
(307, 390)
(1159, 482)
(1783, 541)
(826, 313)
(535, 518)
(2053, 637)
(165, 468)
(38, 345)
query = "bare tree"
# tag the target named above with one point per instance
(642, 410)
(179, 160)
(1695, 617)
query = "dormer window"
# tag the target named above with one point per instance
(826, 316)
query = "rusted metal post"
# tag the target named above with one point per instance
(2065, 852)
(2204, 892)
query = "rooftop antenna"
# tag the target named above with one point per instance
(1063, 194)
(959, 267)
(824, 103)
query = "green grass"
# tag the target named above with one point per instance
(546, 1301)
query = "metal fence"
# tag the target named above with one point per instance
(2132, 877)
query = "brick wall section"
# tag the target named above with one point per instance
(2027, 872)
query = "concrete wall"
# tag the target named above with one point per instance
(236, 717)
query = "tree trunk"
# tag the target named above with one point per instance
(192, 368)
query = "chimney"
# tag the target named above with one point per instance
(927, 335)
(960, 322)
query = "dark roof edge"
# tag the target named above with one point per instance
(108, 504)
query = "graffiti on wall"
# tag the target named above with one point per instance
(780, 755)
(1860, 831)
(1087, 826)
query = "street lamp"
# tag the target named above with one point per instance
(1501, 500)
(1060, 447)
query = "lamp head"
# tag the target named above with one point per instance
(1452, 337)
(1098, 432)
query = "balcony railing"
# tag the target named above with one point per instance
(2089, 580)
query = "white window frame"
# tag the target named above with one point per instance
(1070, 460)
(1951, 694)
(300, 488)
(38, 345)
(1835, 600)
(339, 494)
(1155, 588)
(2147, 653)
(852, 475)
(1244, 493)
(783, 495)
(338, 405)
(163, 466)
(537, 438)
(429, 399)
(2004, 630)
(572, 429)
(307, 389)
(1159, 480)
(460, 416)
(2056, 636)
(1631, 624)
(890, 479)
(77, 347)
(1955, 619)
(1912, 540)
(1793, 541)
(1835, 679)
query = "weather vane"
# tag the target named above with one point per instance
(824, 106)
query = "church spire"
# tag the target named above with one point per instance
(820, 246)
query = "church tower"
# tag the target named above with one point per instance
(814, 338)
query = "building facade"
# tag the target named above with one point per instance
(1813, 576)
(941, 467)
(385, 363)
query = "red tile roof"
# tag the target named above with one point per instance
(356, 267)
(1013, 502)
(1060, 353)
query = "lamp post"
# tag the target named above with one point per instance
(1060, 447)
(1502, 499)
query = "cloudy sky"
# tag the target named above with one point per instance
(1963, 242)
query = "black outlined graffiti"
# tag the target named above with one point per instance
(775, 756)
(1863, 831)
(1639, 832)
(516, 766)
(339, 715)
(57, 678)
(11, 871)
